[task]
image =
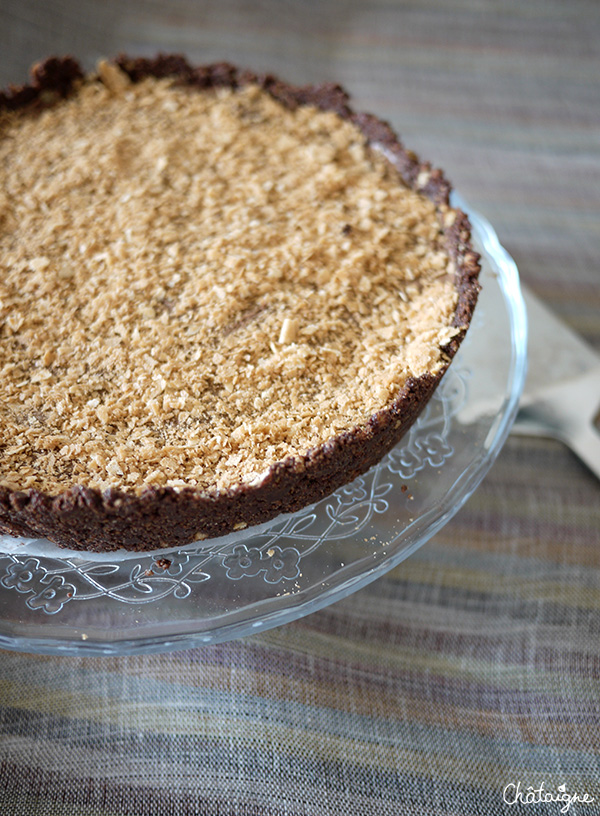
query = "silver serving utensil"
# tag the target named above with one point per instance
(561, 397)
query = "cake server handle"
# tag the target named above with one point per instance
(583, 441)
(567, 414)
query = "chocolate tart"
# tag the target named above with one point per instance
(222, 298)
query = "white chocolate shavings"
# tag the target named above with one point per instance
(195, 285)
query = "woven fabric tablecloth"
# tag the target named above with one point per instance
(473, 667)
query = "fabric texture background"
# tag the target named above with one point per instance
(475, 664)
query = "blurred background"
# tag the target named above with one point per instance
(503, 94)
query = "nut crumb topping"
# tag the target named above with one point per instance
(196, 285)
(289, 330)
(113, 77)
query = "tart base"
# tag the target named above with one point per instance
(84, 518)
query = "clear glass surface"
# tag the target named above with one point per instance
(59, 601)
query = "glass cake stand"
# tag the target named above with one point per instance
(60, 601)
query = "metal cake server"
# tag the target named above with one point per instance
(561, 398)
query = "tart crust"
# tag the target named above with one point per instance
(87, 518)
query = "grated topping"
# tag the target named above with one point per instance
(196, 285)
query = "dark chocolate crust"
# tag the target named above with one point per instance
(87, 519)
